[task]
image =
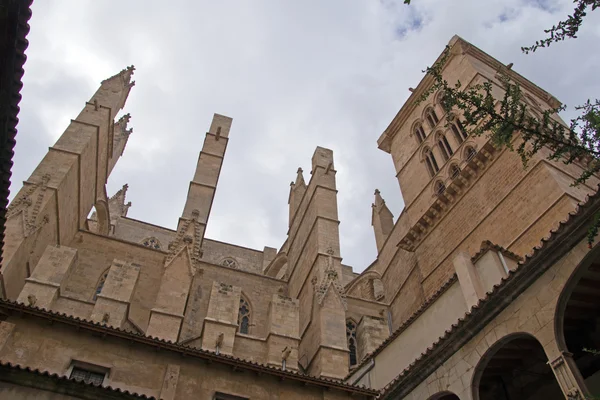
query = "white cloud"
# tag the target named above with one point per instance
(293, 75)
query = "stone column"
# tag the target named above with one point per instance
(43, 287)
(569, 378)
(112, 304)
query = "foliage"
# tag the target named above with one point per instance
(565, 29)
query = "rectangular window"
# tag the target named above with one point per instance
(224, 396)
(80, 374)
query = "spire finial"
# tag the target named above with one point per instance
(299, 178)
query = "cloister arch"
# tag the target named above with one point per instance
(577, 321)
(444, 396)
(515, 368)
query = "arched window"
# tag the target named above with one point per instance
(470, 153)
(244, 316)
(351, 337)
(439, 187)
(420, 133)
(229, 262)
(431, 118)
(459, 131)
(444, 147)
(151, 242)
(100, 284)
(454, 171)
(432, 165)
(440, 101)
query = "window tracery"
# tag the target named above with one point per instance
(244, 316)
(229, 262)
(100, 284)
(431, 117)
(351, 337)
(459, 131)
(432, 165)
(151, 242)
(444, 147)
(420, 133)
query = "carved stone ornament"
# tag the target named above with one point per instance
(182, 239)
(30, 208)
(330, 278)
(31, 299)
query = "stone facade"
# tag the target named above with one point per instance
(174, 315)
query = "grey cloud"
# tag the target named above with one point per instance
(293, 75)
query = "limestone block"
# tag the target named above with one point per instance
(169, 387)
(468, 278)
(112, 304)
(490, 269)
(322, 157)
(224, 303)
(330, 363)
(164, 325)
(6, 331)
(175, 285)
(219, 334)
(120, 281)
(49, 277)
(283, 316)
(370, 333)
(280, 348)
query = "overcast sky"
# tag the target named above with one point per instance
(293, 75)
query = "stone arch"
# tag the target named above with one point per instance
(515, 367)
(445, 395)
(278, 266)
(418, 132)
(430, 116)
(368, 286)
(577, 321)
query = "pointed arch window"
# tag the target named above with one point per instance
(351, 337)
(431, 117)
(100, 284)
(244, 316)
(420, 133)
(445, 147)
(432, 165)
(470, 153)
(151, 242)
